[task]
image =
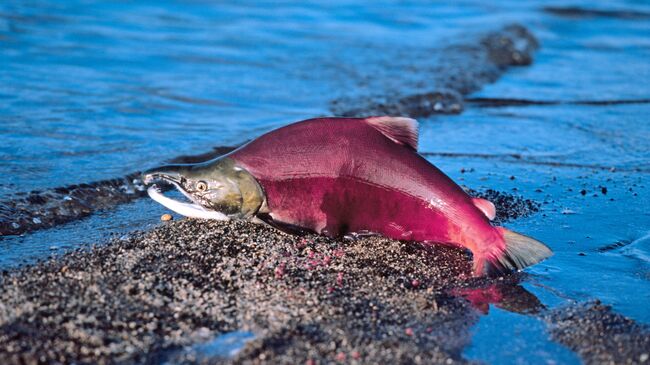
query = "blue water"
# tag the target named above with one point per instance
(222, 346)
(522, 340)
(92, 90)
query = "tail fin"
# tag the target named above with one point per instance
(520, 252)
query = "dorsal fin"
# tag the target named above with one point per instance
(399, 129)
(486, 207)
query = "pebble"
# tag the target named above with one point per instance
(166, 217)
(186, 279)
(644, 358)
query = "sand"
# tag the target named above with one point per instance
(311, 300)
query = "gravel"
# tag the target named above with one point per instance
(150, 297)
(305, 298)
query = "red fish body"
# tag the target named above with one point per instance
(340, 175)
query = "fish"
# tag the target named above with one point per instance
(343, 176)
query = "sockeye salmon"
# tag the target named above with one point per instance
(336, 176)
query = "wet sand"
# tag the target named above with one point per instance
(187, 281)
(599, 335)
(314, 300)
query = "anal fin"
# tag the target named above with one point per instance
(486, 207)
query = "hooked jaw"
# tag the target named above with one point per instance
(172, 174)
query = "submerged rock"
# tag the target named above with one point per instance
(462, 69)
(49, 208)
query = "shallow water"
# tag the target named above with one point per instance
(91, 91)
(222, 346)
(600, 59)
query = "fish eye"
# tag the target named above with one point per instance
(201, 186)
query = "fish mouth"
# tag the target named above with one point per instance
(193, 210)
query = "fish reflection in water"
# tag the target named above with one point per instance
(507, 295)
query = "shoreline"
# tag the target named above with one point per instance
(306, 299)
